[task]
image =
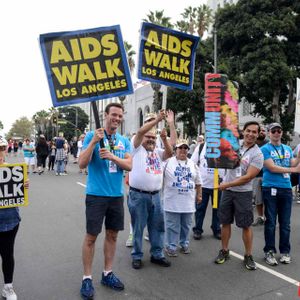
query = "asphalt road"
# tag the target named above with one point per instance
(48, 255)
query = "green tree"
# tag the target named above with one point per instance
(259, 47)
(76, 121)
(41, 122)
(22, 127)
(189, 105)
(157, 17)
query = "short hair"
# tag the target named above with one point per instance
(252, 123)
(119, 105)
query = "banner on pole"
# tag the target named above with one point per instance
(86, 65)
(221, 122)
(167, 56)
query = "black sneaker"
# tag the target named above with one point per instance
(197, 236)
(249, 262)
(160, 261)
(136, 264)
(222, 256)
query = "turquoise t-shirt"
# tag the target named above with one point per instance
(104, 179)
(26, 152)
(281, 155)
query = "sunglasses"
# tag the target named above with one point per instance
(183, 147)
(276, 130)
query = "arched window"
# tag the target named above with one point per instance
(140, 118)
(147, 110)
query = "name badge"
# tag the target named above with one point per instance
(238, 172)
(112, 167)
(273, 192)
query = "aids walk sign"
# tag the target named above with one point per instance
(12, 190)
(86, 65)
(167, 56)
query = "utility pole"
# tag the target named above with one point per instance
(76, 121)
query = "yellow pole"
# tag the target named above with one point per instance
(216, 183)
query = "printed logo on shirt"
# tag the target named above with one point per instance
(183, 177)
(246, 160)
(153, 165)
(120, 146)
(287, 154)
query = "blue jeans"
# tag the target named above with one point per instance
(60, 166)
(178, 226)
(146, 209)
(201, 210)
(281, 205)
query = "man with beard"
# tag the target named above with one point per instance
(145, 182)
(257, 183)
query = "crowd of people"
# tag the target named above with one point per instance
(169, 188)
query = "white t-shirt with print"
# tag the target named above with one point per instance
(147, 171)
(207, 174)
(180, 179)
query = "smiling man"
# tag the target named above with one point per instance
(277, 194)
(236, 202)
(104, 194)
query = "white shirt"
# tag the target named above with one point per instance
(147, 171)
(207, 174)
(180, 179)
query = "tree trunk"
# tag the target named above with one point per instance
(291, 99)
(275, 106)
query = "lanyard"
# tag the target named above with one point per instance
(111, 141)
(246, 150)
(281, 157)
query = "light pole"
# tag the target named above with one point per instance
(215, 50)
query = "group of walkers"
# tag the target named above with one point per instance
(168, 186)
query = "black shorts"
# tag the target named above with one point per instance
(238, 206)
(98, 208)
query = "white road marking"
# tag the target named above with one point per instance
(79, 183)
(271, 271)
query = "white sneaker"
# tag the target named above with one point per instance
(146, 237)
(9, 294)
(285, 258)
(129, 242)
(270, 259)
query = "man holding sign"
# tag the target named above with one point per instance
(12, 193)
(104, 194)
(236, 202)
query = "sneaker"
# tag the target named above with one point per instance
(129, 242)
(270, 259)
(171, 252)
(63, 174)
(160, 261)
(197, 236)
(146, 237)
(136, 264)
(259, 221)
(112, 281)
(185, 250)
(9, 294)
(249, 262)
(87, 289)
(56, 174)
(222, 256)
(285, 258)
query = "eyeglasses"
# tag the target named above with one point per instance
(276, 130)
(183, 147)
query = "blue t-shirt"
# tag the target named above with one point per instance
(101, 180)
(26, 152)
(281, 155)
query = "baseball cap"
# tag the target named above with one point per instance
(274, 125)
(150, 116)
(181, 142)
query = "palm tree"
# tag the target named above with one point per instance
(40, 120)
(130, 54)
(195, 20)
(158, 18)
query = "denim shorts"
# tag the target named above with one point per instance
(238, 206)
(99, 208)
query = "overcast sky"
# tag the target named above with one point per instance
(24, 87)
